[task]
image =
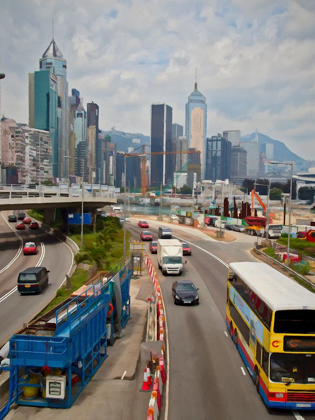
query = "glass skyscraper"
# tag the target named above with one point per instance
(196, 124)
(161, 141)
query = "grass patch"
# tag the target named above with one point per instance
(37, 214)
(307, 247)
(77, 280)
(270, 252)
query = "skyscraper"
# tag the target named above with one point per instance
(196, 124)
(161, 141)
(43, 108)
(238, 164)
(53, 59)
(234, 136)
(218, 158)
(94, 145)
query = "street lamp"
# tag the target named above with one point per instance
(291, 175)
(267, 210)
(82, 195)
(2, 75)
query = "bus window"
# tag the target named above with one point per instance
(265, 361)
(258, 353)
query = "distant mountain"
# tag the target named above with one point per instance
(281, 152)
(124, 140)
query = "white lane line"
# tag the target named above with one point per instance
(8, 294)
(20, 248)
(123, 375)
(242, 369)
(207, 252)
(297, 415)
(226, 333)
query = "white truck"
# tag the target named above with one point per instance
(170, 256)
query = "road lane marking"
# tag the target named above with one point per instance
(297, 415)
(42, 255)
(19, 251)
(124, 374)
(201, 249)
(242, 369)
(226, 333)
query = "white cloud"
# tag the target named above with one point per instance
(255, 60)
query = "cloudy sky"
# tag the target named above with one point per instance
(255, 60)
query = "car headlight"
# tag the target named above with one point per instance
(196, 298)
(177, 297)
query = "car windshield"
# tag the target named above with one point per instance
(172, 260)
(146, 232)
(153, 244)
(27, 278)
(185, 246)
(188, 287)
(298, 368)
(143, 222)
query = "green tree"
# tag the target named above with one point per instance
(275, 194)
(185, 189)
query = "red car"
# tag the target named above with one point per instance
(186, 249)
(27, 220)
(20, 226)
(143, 224)
(153, 247)
(34, 225)
(145, 235)
(30, 248)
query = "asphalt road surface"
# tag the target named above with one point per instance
(208, 379)
(55, 255)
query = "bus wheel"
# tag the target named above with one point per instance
(252, 232)
(256, 378)
(235, 338)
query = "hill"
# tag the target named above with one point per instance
(281, 152)
(124, 140)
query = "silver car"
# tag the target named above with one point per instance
(239, 228)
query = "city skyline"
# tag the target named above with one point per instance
(255, 61)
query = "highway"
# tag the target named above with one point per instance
(208, 379)
(55, 255)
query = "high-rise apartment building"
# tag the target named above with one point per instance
(161, 141)
(218, 158)
(233, 136)
(27, 149)
(53, 59)
(196, 124)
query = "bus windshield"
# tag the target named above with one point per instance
(297, 368)
(295, 322)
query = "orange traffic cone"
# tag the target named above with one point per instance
(145, 385)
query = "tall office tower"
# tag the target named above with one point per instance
(234, 136)
(78, 123)
(181, 160)
(193, 168)
(119, 175)
(218, 158)
(43, 108)
(177, 131)
(196, 124)
(238, 164)
(94, 146)
(252, 149)
(161, 141)
(53, 59)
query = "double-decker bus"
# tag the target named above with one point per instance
(271, 320)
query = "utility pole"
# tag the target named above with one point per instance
(160, 208)
(125, 187)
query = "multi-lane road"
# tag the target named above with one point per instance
(54, 254)
(208, 379)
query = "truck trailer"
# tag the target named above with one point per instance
(170, 256)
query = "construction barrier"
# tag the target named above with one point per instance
(160, 372)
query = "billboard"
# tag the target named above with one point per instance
(75, 218)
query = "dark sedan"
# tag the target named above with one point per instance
(21, 215)
(186, 249)
(184, 292)
(229, 227)
(153, 247)
(12, 218)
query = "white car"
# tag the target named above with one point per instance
(220, 223)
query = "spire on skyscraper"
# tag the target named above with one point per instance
(196, 85)
(52, 50)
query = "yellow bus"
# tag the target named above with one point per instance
(271, 320)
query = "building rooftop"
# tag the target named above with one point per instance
(52, 50)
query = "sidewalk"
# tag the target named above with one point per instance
(108, 396)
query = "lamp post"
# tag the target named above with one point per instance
(290, 202)
(82, 196)
(2, 76)
(125, 187)
(267, 210)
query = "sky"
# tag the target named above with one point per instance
(255, 61)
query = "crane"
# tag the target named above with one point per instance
(143, 161)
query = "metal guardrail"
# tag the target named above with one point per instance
(285, 267)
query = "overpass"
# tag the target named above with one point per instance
(19, 197)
